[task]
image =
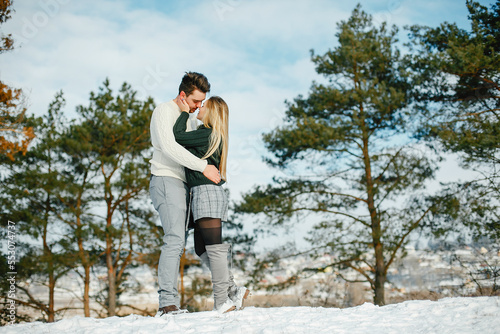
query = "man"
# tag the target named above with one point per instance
(168, 189)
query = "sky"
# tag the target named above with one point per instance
(255, 53)
(446, 316)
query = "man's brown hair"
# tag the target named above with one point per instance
(192, 81)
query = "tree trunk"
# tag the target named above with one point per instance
(50, 265)
(111, 280)
(380, 276)
(109, 246)
(52, 285)
(86, 278)
(86, 291)
(84, 256)
(52, 280)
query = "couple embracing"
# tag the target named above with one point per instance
(188, 169)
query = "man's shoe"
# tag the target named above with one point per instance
(171, 309)
(239, 297)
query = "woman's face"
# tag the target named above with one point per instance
(201, 112)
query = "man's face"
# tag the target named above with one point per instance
(195, 99)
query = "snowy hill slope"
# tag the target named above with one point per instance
(449, 315)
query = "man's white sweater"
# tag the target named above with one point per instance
(170, 158)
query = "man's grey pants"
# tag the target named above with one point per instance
(170, 197)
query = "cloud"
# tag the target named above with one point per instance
(254, 52)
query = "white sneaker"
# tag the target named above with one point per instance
(228, 306)
(239, 297)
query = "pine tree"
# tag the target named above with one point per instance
(458, 83)
(78, 173)
(31, 200)
(114, 134)
(349, 156)
(79, 196)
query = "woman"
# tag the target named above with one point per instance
(209, 200)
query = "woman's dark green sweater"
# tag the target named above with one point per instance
(196, 142)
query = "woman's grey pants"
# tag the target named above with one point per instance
(170, 198)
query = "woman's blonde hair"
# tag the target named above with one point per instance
(217, 117)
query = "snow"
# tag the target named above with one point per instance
(449, 315)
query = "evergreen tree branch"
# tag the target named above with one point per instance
(402, 239)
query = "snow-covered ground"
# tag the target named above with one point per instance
(422, 275)
(449, 315)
